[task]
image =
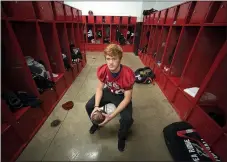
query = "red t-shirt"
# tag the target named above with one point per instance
(124, 80)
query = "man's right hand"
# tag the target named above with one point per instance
(95, 109)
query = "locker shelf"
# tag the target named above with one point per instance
(58, 77)
(206, 49)
(182, 52)
(20, 112)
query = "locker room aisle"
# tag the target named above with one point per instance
(72, 141)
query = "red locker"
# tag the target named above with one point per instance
(75, 14)
(108, 19)
(19, 9)
(151, 18)
(58, 11)
(116, 19)
(171, 15)
(183, 13)
(44, 10)
(170, 90)
(182, 104)
(221, 16)
(49, 98)
(99, 19)
(162, 18)
(60, 86)
(91, 19)
(11, 143)
(68, 13)
(133, 20)
(156, 18)
(200, 12)
(28, 122)
(84, 19)
(80, 15)
(205, 125)
(124, 20)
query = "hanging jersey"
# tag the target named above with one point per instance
(124, 81)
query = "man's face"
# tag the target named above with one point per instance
(113, 62)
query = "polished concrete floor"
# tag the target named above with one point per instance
(71, 141)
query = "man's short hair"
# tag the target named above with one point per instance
(113, 50)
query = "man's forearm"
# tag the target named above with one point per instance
(98, 96)
(124, 103)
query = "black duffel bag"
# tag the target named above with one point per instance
(144, 75)
(186, 145)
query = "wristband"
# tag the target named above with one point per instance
(96, 106)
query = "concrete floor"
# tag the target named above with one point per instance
(71, 140)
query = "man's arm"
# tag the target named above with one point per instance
(124, 103)
(99, 92)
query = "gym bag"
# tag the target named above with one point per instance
(144, 75)
(185, 144)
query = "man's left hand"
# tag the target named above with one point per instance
(107, 119)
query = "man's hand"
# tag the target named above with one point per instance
(95, 109)
(107, 119)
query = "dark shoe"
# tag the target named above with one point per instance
(121, 145)
(93, 128)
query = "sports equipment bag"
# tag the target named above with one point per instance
(144, 75)
(185, 144)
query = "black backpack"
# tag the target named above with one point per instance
(144, 75)
(186, 145)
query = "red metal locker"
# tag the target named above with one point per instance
(171, 15)
(68, 13)
(170, 90)
(11, 144)
(151, 18)
(108, 19)
(206, 126)
(221, 16)
(58, 11)
(124, 20)
(44, 10)
(80, 15)
(162, 17)
(84, 19)
(200, 12)
(49, 99)
(91, 19)
(99, 19)
(183, 13)
(28, 123)
(133, 20)
(156, 18)
(75, 14)
(116, 19)
(19, 9)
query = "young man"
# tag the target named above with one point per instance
(119, 80)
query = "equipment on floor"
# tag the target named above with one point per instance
(55, 123)
(185, 144)
(144, 75)
(68, 105)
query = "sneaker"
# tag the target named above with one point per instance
(93, 128)
(121, 145)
